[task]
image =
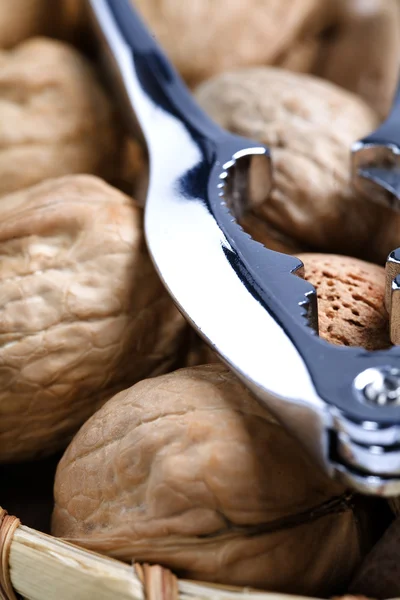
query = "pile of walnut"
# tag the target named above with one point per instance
(169, 458)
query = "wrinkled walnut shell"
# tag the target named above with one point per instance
(364, 56)
(203, 38)
(82, 311)
(56, 119)
(21, 19)
(189, 471)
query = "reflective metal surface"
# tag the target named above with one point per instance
(376, 161)
(249, 303)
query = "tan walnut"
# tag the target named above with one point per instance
(56, 119)
(364, 55)
(21, 19)
(189, 471)
(310, 125)
(82, 312)
(205, 38)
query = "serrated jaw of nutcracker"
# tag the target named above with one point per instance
(376, 160)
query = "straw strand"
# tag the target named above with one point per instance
(8, 526)
(158, 583)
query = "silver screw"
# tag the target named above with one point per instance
(379, 386)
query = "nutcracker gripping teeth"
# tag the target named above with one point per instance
(249, 303)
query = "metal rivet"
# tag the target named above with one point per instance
(379, 386)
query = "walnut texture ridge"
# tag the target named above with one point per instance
(82, 311)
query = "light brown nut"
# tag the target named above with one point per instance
(205, 38)
(310, 125)
(55, 118)
(302, 56)
(364, 56)
(82, 311)
(187, 470)
(21, 19)
(351, 309)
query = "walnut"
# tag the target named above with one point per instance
(187, 470)
(364, 55)
(204, 38)
(21, 19)
(302, 56)
(351, 308)
(83, 313)
(310, 125)
(56, 119)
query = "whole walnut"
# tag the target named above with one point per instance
(189, 471)
(56, 119)
(83, 313)
(21, 19)
(364, 55)
(310, 125)
(301, 56)
(206, 38)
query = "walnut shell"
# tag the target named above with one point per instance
(56, 119)
(21, 19)
(310, 125)
(364, 55)
(189, 471)
(301, 56)
(198, 36)
(83, 313)
(351, 306)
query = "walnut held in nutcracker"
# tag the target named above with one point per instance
(310, 125)
(82, 311)
(187, 470)
(55, 118)
(205, 38)
(351, 310)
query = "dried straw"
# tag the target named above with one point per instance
(41, 567)
(45, 568)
